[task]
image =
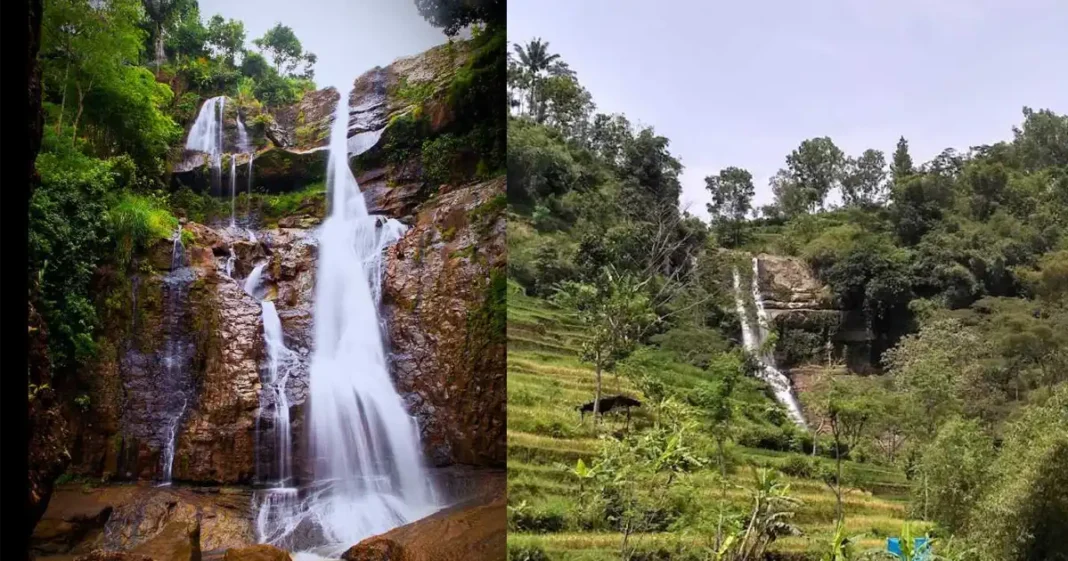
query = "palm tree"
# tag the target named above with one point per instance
(535, 59)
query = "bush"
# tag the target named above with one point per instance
(441, 159)
(136, 221)
(799, 466)
(546, 518)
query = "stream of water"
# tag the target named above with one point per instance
(754, 337)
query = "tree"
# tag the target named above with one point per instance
(863, 178)
(1043, 139)
(535, 60)
(732, 192)
(902, 164)
(815, 166)
(615, 311)
(848, 410)
(1024, 509)
(955, 464)
(284, 49)
(790, 197)
(163, 15)
(454, 15)
(715, 401)
(227, 37)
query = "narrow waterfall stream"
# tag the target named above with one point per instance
(207, 136)
(175, 353)
(754, 336)
(233, 191)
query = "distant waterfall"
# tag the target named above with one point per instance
(207, 136)
(754, 337)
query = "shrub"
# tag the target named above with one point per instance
(135, 221)
(799, 466)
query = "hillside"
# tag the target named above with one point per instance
(547, 381)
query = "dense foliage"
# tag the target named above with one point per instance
(120, 80)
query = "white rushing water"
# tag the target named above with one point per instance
(754, 338)
(251, 156)
(233, 190)
(369, 474)
(242, 137)
(206, 135)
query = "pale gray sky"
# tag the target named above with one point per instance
(349, 36)
(743, 83)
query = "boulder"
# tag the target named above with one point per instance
(470, 532)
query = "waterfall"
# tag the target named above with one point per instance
(233, 190)
(251, 156)
(754, 338)
(279, 363)
(367, 460)
(242, 137)
(207, 135)
(175, 352)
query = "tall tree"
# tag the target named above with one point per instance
(902, 164)
(815, 166)
(863, 178)
(285, 50)
(732, 194)
(226, 36)
(454, 15)
(616, 310)
(535, 59)
(790, 197)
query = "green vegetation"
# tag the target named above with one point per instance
(957, 269)
(119, 80)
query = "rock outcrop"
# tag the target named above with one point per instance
(443, 295)
(810, 324)
(475, 530)
(160, 523)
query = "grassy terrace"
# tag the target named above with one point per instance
(547, 381)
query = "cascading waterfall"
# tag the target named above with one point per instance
(754, 338)
(367, 462)
(207, 135)
(242, 137)
(279, 363)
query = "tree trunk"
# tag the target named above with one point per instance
(597, 398)
(838, 476)
(78, 116)
(722, 492)
(63, 104)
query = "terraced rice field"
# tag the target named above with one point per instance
(547, 382)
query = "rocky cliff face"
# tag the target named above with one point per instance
(444, 300)
(182, 355)
(810, 325)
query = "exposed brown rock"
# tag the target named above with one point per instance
(102, 555)
(260, 552)
(155, 521)
(448, 358)
(475, 531)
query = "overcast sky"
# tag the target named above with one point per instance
(743, 83)
(349, 36)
